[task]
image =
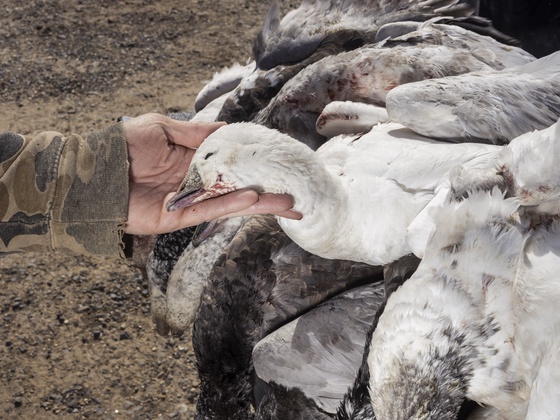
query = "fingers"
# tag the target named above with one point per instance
(155, 219)
(237, 203)
(278, 204)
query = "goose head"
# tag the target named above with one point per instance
(247, 155)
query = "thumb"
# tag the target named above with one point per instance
(190, 134)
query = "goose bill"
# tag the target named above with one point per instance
(192, 191)
(189, 197)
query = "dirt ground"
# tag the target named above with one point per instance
(76, 338)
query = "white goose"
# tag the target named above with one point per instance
(357, 194)
(444, 334)
(492, 105)
(479, 318)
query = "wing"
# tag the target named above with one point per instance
(321, 351)
(491, 105)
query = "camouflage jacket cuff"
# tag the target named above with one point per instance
(62, 193)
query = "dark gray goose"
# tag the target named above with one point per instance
(298, 34)
(262, 281)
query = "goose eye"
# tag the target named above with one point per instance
(208, 155)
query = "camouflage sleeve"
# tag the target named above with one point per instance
(66, 194)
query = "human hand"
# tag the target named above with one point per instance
(160, 150)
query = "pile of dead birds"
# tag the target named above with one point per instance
(420, 145)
